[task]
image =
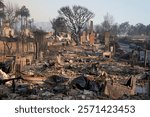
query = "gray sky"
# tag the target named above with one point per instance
(134, 11)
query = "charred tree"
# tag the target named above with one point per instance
(76, 18)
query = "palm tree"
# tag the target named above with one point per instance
(24, 13)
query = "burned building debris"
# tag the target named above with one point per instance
(83, 75)
(40, 65)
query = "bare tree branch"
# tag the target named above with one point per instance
(10, 12)
(76, 18)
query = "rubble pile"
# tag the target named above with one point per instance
(76, 72)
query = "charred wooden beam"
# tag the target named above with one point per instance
(3, 81)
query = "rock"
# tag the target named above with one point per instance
(54, 79)
(86, 83)
(4, 91)
(82, 97)
(87, 92)
(73, 92)
(57, 96)
(89, 98)
(33, 97)
(68, 98)
(93, 86)
(93, 70)
(23, 90)
(13, 95)
(60, 89)
(47, 94)
(20, 98)
(79, 82)
(70, 61)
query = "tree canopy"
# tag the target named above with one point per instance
(59, 24)
(76, 18)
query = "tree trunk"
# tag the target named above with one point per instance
(26, 22)
(76, 38)
(22, 44)
(21, 23)
(55, 34)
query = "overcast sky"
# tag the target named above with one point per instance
(134, 11)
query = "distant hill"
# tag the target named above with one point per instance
(46, 26)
